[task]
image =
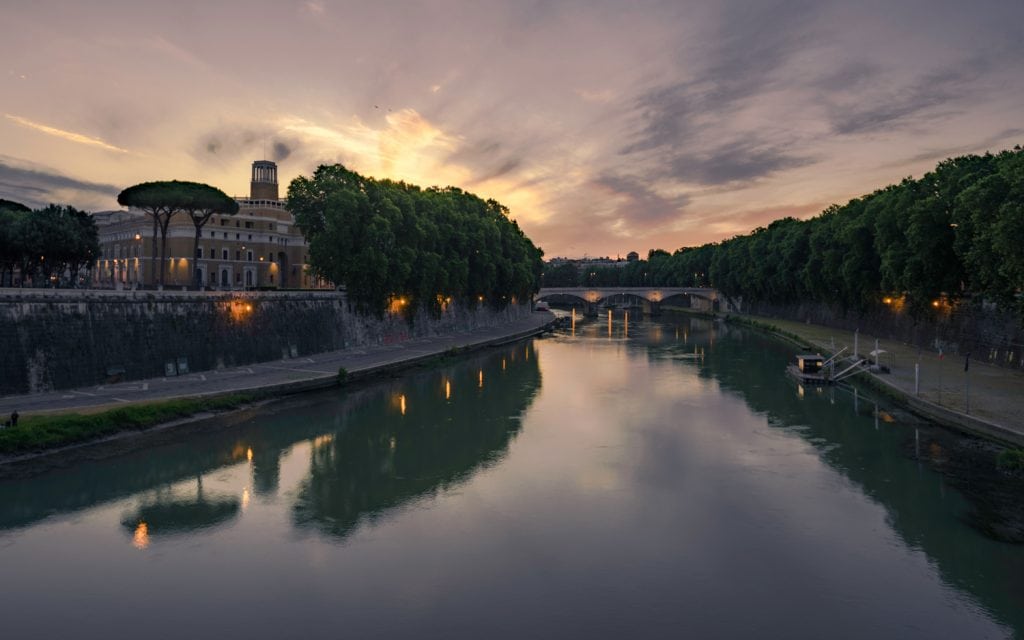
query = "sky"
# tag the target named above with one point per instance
(605, 126)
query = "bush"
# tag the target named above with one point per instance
(342, 375)
(1010, 460)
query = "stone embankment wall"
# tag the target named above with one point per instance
(57, 339)
(987, 334)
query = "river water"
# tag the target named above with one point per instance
(661, 479)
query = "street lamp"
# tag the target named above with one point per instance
(138, 264)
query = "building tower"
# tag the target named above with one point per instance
(264, 180)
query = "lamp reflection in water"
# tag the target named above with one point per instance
(140, 540)
(480, 377)
(447, 389)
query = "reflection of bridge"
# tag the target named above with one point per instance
(649, 299)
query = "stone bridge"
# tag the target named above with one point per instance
(650, 299)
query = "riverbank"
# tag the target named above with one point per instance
(980, 398)
(73, 418)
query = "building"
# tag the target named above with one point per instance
(259, 247)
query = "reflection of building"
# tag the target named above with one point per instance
(260, 246)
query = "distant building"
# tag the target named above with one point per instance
(632, 256)
(584, 264)
(260, 246)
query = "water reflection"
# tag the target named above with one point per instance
(442, 441)
(381, 459)
(166, 513)
(867, 443)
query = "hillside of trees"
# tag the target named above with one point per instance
(46, 247)
(391, 242)
(955, 232)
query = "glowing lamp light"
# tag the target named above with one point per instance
(935, 303)
(140, 540)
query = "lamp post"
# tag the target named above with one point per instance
(139, 275)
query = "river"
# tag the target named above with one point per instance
(661, 479)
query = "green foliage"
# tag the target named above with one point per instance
(954, 232)
(11, 205)
(1010, 460)
(388, 241)
(37, 432)
(162, 200)
(342, 375)
(48, 246)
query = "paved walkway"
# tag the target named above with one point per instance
(995, 394)
(295, 374)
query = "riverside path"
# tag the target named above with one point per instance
(984, 398)
(277, 376)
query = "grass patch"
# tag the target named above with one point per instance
(37, 432)
(770, 328)
(1010, 460)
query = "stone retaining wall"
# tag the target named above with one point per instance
(56, 339)
(989, 335)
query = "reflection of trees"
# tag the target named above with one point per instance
(383, 459)
(168, 514)
(921, 511)
(217, 443)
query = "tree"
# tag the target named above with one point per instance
(200, 202)
(160, 201)
(392, 242)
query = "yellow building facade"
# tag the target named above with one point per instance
(259, 247)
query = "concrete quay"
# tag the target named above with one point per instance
(278, 377)
(985, 399)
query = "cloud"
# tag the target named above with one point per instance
(1002, 140)
(37, 186)
(912, 103)
(279, 151)
(743, 160)
(638, 203)
(66, 135)
(746, 51)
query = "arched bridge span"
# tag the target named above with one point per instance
(703, 298)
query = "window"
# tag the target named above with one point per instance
(271, 238)
(223, 254)
(213, 234)
(248, 256)
(225, 235)
(237, 223)
(248, 225)
(250, 236)
(223, 222)
(238, 277)
(238, 255)
(199, 253)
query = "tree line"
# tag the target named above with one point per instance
(51, 246)
(956, 232)
(391, 242)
